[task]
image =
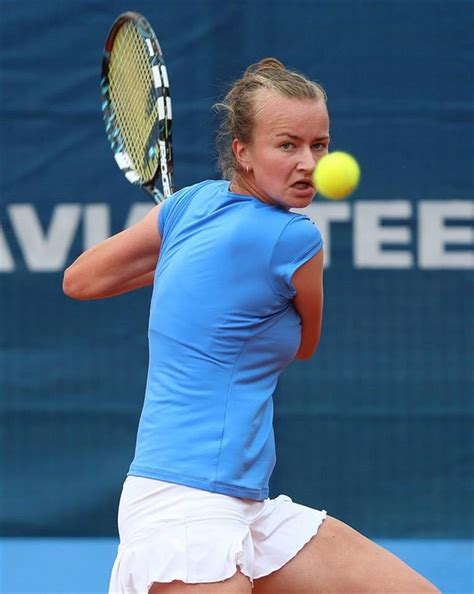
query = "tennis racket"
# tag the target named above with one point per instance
(136, 105)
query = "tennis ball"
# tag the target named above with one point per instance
(336, 175)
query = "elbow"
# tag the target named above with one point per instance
(306, 351)
(303, 355)
(72, 287)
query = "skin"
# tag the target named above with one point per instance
(337, 560)
(290, 136)
(276, 166)
(124, 262)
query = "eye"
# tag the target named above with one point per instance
(287, 146)
(319, 146)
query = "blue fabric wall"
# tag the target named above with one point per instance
(378, 427)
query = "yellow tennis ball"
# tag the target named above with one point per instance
(336, 175)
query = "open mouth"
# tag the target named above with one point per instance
(303, 185)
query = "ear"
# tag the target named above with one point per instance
(241, 153)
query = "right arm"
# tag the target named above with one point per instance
(119, 264)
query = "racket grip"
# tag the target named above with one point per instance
(155, 194)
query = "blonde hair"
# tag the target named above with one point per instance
(237, 109)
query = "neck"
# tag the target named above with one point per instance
(242, 184)
(238, 185)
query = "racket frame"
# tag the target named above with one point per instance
(165, 169)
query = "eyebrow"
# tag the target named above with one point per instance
(295, 137)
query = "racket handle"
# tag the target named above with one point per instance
(152, 191)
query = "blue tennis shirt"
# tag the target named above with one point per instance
(222, 328)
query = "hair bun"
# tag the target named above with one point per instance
(264, 65)
(238, 107)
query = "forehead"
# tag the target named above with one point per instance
(275, 114)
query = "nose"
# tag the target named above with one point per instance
(306, 160)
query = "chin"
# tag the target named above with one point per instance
(303, 197)
(302, 202)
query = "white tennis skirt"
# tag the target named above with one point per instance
(173, 532)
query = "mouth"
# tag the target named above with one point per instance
(304, 186)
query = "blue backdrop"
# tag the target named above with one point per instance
(377, 427)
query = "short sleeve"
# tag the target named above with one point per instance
(299, 241)
(173, 207)
(164, 210)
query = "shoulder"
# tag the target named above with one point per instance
(179, 201)
(299, 236)
(297, 243)
(187, 191)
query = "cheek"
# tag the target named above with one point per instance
(272, 166)
(277, 165)
(322, 154)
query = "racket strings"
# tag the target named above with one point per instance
(133, 96)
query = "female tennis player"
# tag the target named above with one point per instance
(237, 295)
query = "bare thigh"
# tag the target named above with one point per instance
(340, 560)
(237, 584)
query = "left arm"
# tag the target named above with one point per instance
(121, 263)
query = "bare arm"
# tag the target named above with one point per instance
(121, 263)
(308, 301)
